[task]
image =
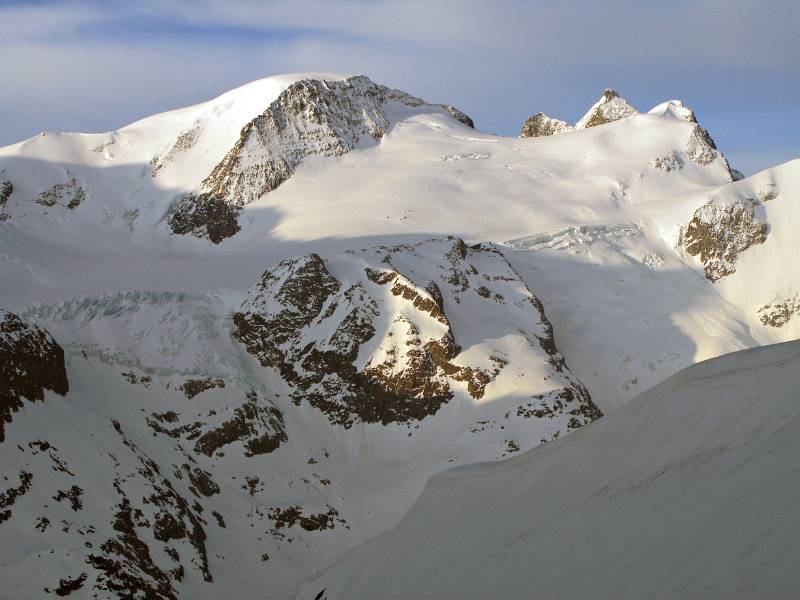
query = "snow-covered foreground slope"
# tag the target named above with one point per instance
(689, 491)
(281, 311)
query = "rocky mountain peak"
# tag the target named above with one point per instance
(610, 107)
(310, 117)
(540, 125)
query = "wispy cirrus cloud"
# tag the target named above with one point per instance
(90, 65)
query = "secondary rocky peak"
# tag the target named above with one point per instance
(540, 125)
(610, 107)
(699, 147)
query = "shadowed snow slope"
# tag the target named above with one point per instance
(690, 491)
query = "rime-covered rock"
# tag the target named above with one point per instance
(540, 125)
(719, 232)
(609, 108)
(779, 312)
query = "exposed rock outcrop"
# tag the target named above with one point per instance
(30, 362)
(779, 312)
(719, 232)
(204, 216)
(184, 142)
(257, 425)
(6, 189)
(69, 194)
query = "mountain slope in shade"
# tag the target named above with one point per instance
(208, 444)
(689, 491)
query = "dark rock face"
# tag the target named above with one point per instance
(68, 585)
(204, 215)
(11, 495)
(69, 194)
(148, 503)
(256, 424)
(30, 362)
(192, 387)
(311, 117)
(413, 365)
(293, 515)
(6, 189)
(719, 232)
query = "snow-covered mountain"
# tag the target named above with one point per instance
(238, 338)
(688, 491)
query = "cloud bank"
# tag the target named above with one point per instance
(94, 66)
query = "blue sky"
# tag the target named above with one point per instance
(95, 66)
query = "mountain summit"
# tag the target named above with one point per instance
(609, 108)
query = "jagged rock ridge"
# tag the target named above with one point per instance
(400, 313)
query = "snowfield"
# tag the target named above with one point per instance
(281, 311)
(688, 491)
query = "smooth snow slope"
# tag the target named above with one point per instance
(690, 491)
